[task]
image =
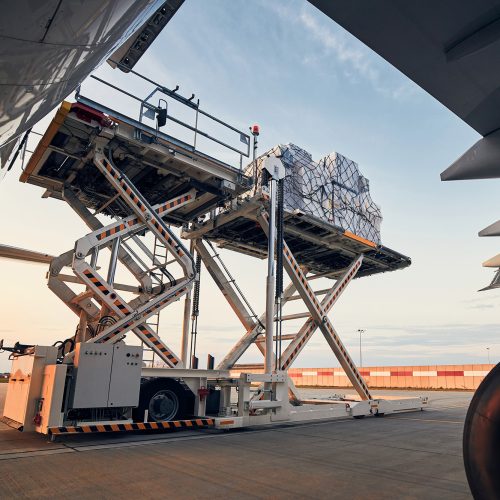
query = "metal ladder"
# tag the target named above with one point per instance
(231, 282)
(158, 275)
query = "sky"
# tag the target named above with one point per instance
(305, 80)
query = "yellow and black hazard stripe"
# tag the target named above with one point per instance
(96, 282)
(148, 311)
(117, 228)
(174, 203)
(148, 333)
(310, 325)
(170, 241)
(196, 423)
(127, 189)
(111, 231)
(302, 278)
(124, 185)
(124, 309)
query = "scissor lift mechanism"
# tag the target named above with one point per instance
(317, 317)
(199, 184)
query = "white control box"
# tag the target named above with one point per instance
(107, 375)
(125, 380)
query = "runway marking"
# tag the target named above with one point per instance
(432, 420)
(36, 453)
(439, 408)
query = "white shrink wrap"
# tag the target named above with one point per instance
(331, 189)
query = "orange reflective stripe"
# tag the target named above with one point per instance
(360, 239)
(46, 140)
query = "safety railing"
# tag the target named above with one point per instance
(161, 113)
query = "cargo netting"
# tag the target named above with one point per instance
(331, 189)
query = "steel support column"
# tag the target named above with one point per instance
(320, 317)
(249, 337)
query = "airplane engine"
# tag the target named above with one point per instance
(481, 441)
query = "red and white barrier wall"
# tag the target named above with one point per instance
(414, 377)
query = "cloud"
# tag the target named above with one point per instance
(336, 43)
(478, 304)
(357, 61)
(437, 341)
(413, 345)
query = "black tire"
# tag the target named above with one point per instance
(165, 399)
(481, 443)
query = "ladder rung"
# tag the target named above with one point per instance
(262, 338)
(161, 265)
(249, 366)
(319, 292)
(289, 317)
(328, 274)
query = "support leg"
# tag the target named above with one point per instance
(321, 318)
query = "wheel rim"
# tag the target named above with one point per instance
(163, 405)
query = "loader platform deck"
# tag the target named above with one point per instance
(320, 247)
(159, 165)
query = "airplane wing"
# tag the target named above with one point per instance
(449, 48)
(48, 48)
(9, 252)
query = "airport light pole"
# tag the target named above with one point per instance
(488, 349)
(360, 331)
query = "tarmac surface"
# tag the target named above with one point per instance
(410, 455)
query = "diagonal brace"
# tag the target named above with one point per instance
(320, 317)
(310, 326)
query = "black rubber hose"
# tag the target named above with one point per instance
(280, 236)
(280, 243)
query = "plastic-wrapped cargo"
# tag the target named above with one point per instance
(331, 189)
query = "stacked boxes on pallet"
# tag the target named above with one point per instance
(331, 189)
